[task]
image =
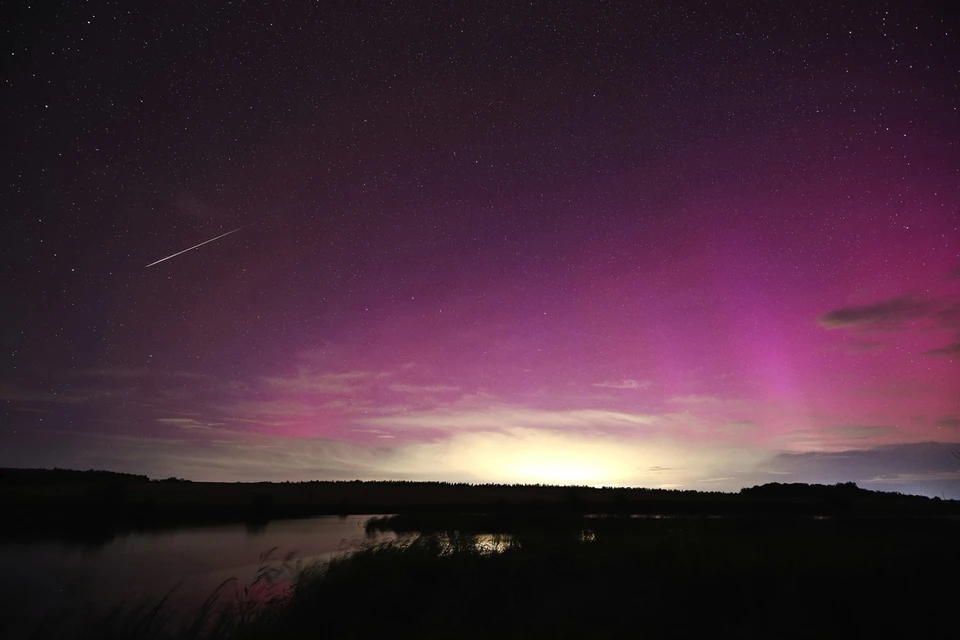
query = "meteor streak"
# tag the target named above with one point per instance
(197, 245)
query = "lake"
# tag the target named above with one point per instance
(47, 577)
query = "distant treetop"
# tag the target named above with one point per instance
(57, 475)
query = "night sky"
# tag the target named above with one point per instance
(668, 244)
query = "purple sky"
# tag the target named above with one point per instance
(656, 244)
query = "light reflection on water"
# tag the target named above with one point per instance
(484, 543)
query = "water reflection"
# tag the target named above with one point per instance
(484, 543)
(56, 576)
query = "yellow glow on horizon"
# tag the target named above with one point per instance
(557, 457)
(554, 459)
(547, 472)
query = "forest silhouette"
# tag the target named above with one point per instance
(92, 505)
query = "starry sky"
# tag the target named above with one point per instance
(669, 244)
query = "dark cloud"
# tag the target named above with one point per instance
(950, 351)
(885, 314)
(928, 468)
(939, 312)
(949, 315)
(951, 422)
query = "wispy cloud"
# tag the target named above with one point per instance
(696, 399)
(626, 383)
(13, 393)
(832, 438)
(417, 389)
(512, 416)
(913, 478)
(739, 425)
(323, 383)
(858, 431)
(190, 424)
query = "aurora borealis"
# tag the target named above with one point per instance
(695, 245)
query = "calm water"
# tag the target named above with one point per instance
(45, 577)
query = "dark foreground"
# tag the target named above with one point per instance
(566, 576)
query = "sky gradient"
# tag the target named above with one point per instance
(691, 245)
